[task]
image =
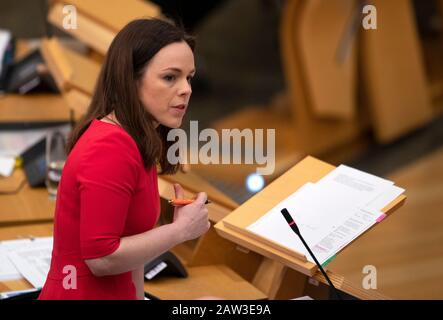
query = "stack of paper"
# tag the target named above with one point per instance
(28, 258)
(6, 165)
(330, 213)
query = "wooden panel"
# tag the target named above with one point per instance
(432, 53)
(114, 14)
(330, 78)
(218, 281)
(99, 21)
(90, 32)
(85, 73)
(292, 285)
(269, 277)
(354, 289)
(57, 63)
(242, 261)
(70, 69)
(393, 72)
(296, 82)
(266, 251)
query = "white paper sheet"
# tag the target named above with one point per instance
(7, 270)
(329, 214)
(6, 166)
(345, 233)
(384, 198)
(31, 258)
(358, 186)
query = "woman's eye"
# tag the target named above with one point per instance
(169, 78)
(190, 79)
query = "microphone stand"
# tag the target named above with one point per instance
(294, 228)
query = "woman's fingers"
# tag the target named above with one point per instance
(179, 193)
(201, 198)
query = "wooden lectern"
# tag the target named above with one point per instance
(233, 227)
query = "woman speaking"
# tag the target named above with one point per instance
(107, 200)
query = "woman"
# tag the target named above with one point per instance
(107, 200)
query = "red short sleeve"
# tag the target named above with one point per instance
(107, 177)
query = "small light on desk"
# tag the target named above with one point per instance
(254, 182)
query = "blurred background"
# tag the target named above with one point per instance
(331, 88)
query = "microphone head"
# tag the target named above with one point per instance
(286, 215)
(289, 220)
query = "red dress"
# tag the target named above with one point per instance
(105, 193)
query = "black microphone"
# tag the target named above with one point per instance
(294, 228)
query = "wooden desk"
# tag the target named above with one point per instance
(270, 276)
(209, 280)
(29, 205)
(205, 276)
(15, 108)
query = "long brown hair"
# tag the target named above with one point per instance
(116, 88)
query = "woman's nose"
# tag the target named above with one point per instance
(186, 88)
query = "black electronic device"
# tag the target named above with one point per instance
(30, 75)
(167, 264)
(34, 163)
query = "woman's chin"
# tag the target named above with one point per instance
(173, 123)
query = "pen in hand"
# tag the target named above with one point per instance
(183, 202)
